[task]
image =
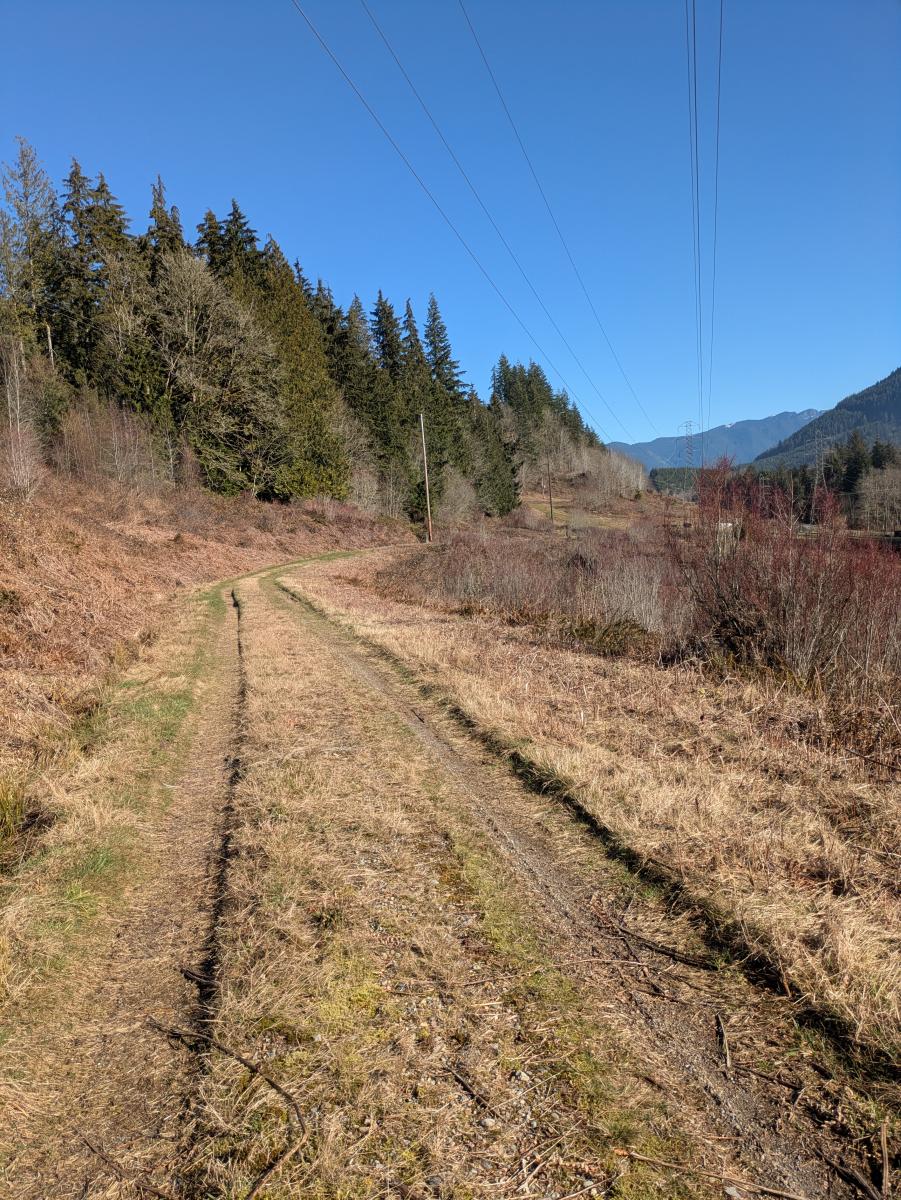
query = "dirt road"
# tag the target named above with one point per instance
(338, 950)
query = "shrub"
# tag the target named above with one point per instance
(609, 590)
(817, 608)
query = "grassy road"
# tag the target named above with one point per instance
(302, 935)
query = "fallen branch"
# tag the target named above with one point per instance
(852, 1175)
(278, 1161)
(121, 1173)
(471, 1090)
(786, 1083)
(188, 1038)
(724, 1041)
(886, 1169)
(721, 1178)
(690, 960)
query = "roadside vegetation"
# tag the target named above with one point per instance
(89, 572)
(742, 587)
(724, 699)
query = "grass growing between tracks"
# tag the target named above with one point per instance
(377, 961)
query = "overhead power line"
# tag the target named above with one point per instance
(691, 48)
(691, 59)
(490, 217)
(716, 205)
(554, 221)
(459, 236)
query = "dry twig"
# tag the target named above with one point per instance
(886, 1169)
(685, 1169)
(121, 1173)
(187, 1038)
(278, 1161)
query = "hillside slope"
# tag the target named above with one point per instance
(741, 441)
(875, 413)
(87, 575)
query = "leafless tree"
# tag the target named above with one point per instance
(21, 448)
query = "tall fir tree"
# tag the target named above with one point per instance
(240, 254)
(386, 337)
(165, 234)
(316, 463)
(210, 241)
(445, 368)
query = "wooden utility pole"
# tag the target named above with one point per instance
(550, 492)
(425, 466)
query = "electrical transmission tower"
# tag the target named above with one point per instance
(688, 429)
(819, 478)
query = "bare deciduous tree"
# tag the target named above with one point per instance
(22, 457)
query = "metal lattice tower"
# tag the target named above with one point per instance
(688, 429)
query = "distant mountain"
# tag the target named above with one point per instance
(741, 441)
(874, 412)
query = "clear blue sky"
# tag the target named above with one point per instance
(237, 99)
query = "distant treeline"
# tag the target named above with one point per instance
(234, 367)
(864, 480)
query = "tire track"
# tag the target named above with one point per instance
(792, 1142)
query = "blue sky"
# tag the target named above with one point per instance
(237, 99)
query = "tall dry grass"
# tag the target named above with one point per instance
(699, 774)
(744, 588)
(614, 590)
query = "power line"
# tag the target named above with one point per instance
(694, 69)
(472, 254)
(550, 211)
(694, 165)
(488, 214)
(694, 169)
(716, 200)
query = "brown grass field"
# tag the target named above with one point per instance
(791, 846)
(314, 885)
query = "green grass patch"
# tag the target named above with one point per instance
(589, 1066)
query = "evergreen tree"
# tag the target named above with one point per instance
(240, 255)
(328, 316)
(210, 242)
(419, 393)
(78, 293)
(386, 337)
(884, 454)
(856, 462)
(351, 359)
(106, 229)
(445, 368)
(31, 244)
(496, 467)
(165, 234)
(315, 463)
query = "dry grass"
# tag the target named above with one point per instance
(86, 575)
(789, 843)
(109, 788)
(382, 965)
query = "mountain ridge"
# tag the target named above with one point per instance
(738, 440)
(874, 412)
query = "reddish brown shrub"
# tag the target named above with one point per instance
(818, 607)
